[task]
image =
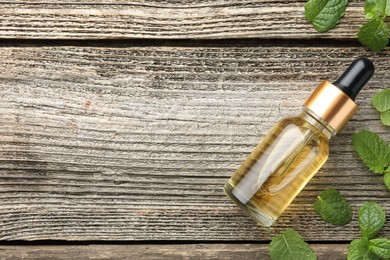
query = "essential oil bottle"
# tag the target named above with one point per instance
(296, 147)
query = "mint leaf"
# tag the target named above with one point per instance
(371, 219)
(333, 207)
(374, 151)
(376, 8)
(290, 246)
(385, 118)
(387, 13)
(381, 101)
(386, 180)
(358, 249)
(325, 14)
(374, 34)
(380, 246)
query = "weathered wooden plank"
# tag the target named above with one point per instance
(196, 251)
(135, 143)
(171, 19)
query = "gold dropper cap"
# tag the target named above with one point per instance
(334, 102)
(332, 105)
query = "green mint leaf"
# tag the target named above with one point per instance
(373, 150)
(358, 250)
(325, 14)
(385, 118)
(387, 8)
(381, 101)
(386, 180)
(380, 246)
(376, 8)
(333, 207)
(290, 246)
(387, 13)
(374, 34)
(371, 219)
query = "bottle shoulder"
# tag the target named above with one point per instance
(300, 126)
(308, 119)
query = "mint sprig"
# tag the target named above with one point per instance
(371, 221)
(333, 207)
(381, 102)
(290, 245)
(326, 14)
(375, 33)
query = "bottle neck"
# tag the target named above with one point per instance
(317, 122)
(331, 105)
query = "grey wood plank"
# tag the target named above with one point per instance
(135, 143)
(171, 19)
(196, 251)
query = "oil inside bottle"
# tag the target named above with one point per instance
(279, 167)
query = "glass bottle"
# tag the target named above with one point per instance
(296, 147)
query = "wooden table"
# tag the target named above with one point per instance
(121, 121)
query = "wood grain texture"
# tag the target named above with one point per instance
(135, 143)
(150, 252)
(170, 19)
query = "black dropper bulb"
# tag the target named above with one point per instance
(355, 77)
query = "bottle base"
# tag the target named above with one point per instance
(255, 213)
